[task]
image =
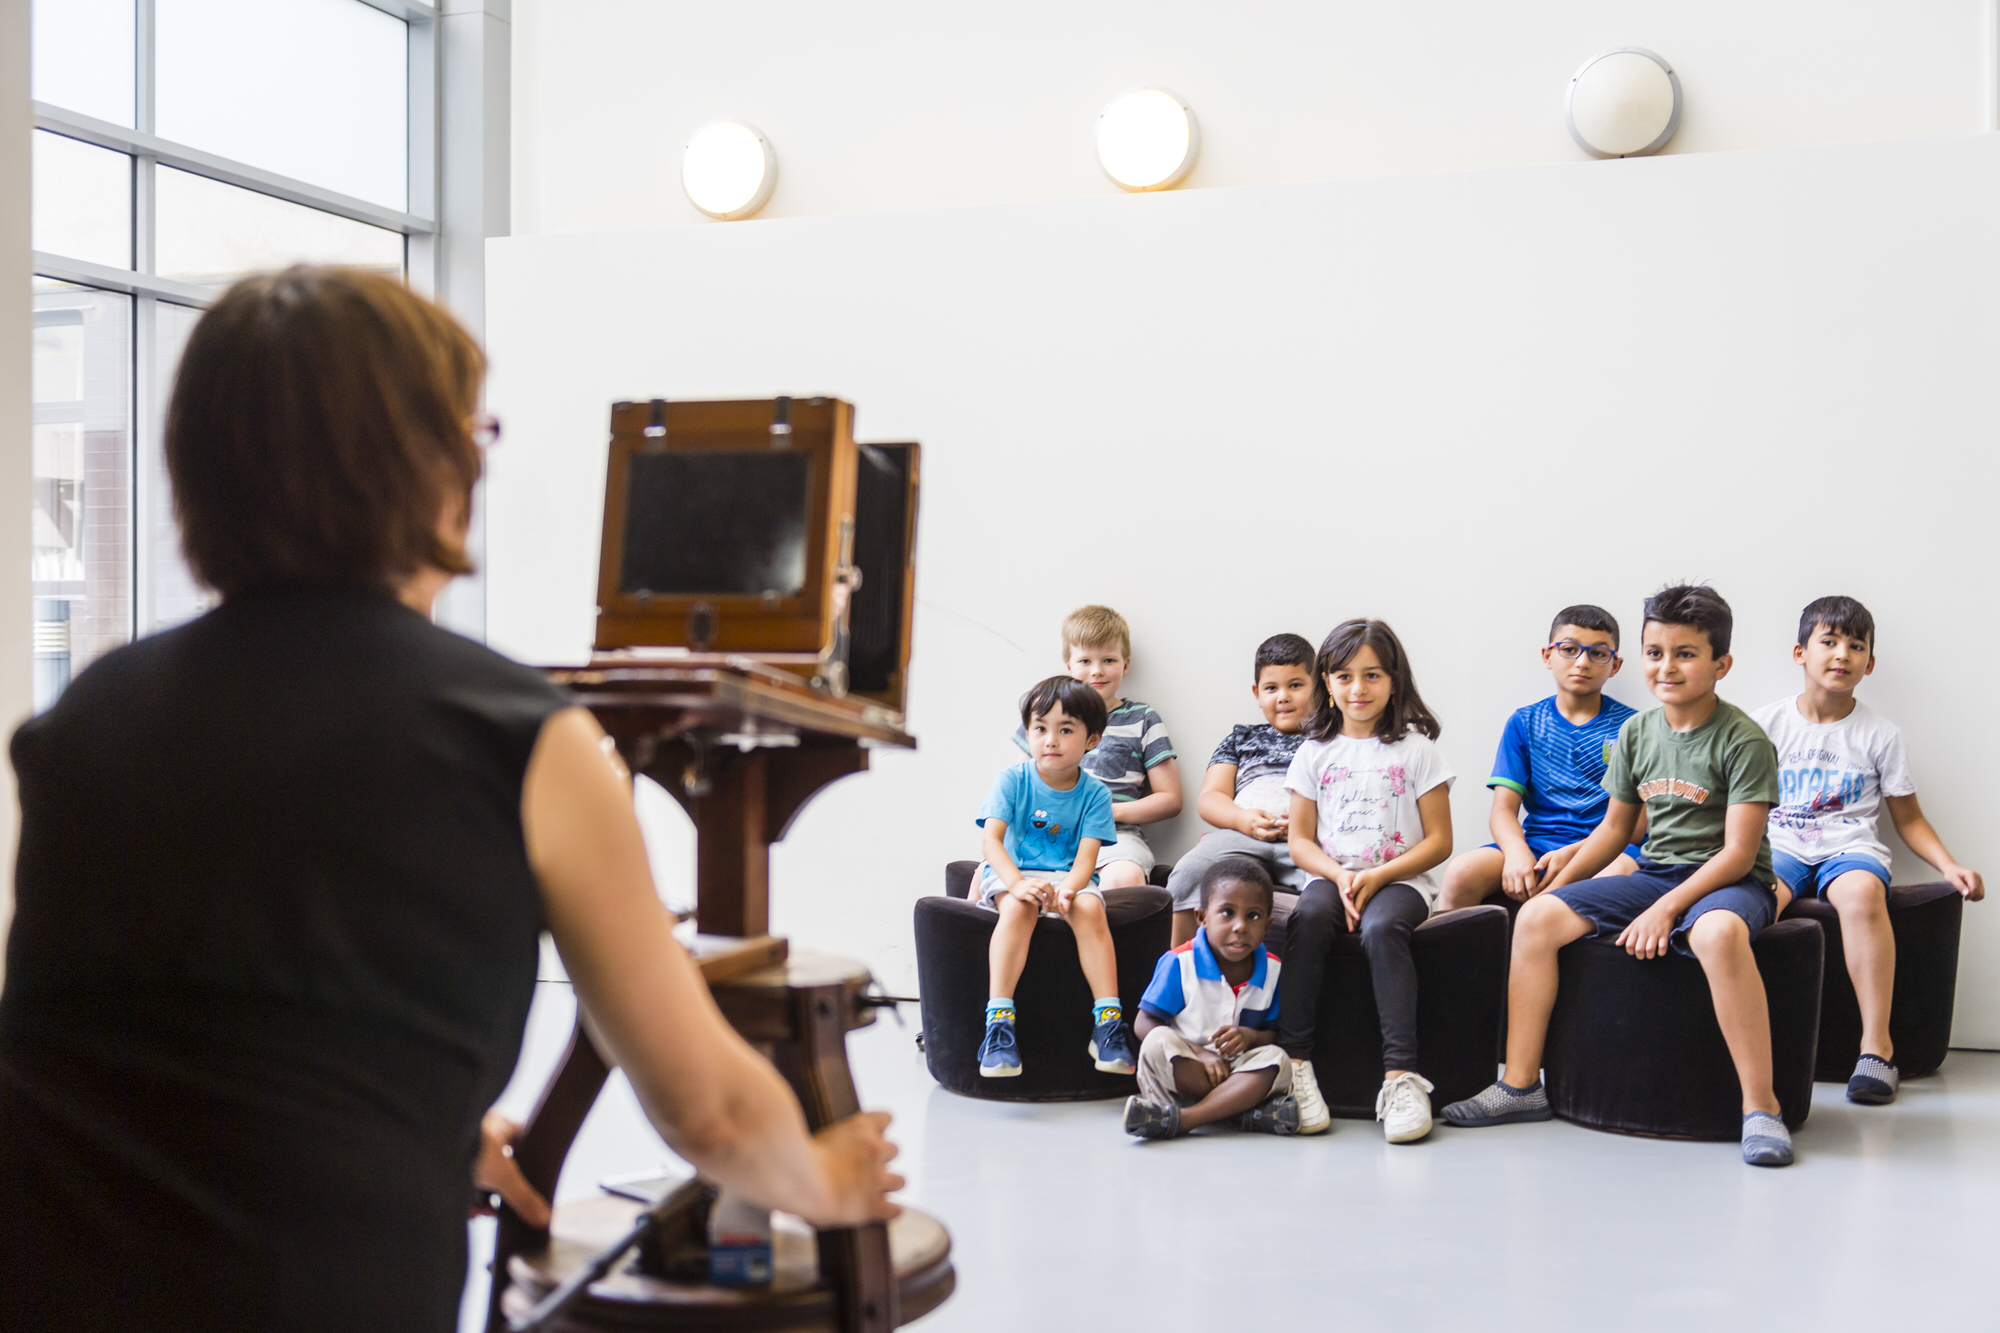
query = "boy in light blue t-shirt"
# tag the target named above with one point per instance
(1044, 820)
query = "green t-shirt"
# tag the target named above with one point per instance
(1689, 779)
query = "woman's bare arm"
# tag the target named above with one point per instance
(716, 1101)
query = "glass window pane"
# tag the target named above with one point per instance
(213, 234)
(171, 593)
(81, 565)
(83, 200)
(314, 89)
(83, 57)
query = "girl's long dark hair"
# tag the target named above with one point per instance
(1406, 711)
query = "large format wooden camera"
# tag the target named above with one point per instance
(760, 530)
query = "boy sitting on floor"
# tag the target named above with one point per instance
(1243, 793)
(1207, 1025)
(1044, 820)
(1546, 778)
(1838, 761)
(1135, 760)
(1706, 776)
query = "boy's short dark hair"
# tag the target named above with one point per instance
(1842, 615)
(1076, 699)
(1696, 605)
(1237, 870)
(1283, 650)
(1585, 616)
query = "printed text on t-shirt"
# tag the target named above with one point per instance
(1687, 791)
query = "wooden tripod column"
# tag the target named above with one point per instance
(742, 749)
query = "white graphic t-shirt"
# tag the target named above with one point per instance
(1832, 777)
(1367, 791)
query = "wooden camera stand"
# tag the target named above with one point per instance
(742, 747)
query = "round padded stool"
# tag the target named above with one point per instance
(1052, 1000)
(1925, 919)
(1634, 1047)
(1461, 962)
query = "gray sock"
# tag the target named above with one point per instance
(1766, 1141)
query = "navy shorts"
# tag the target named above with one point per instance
(1613, 903)
(1543, 846)
(1811, 879)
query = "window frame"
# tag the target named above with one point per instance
(418, 226)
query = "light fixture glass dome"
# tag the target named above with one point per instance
(728, 169)
(1624, 102)
(1146, 139)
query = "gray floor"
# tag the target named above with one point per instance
(1061, 1222)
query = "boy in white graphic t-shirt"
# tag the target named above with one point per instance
(1838, 762)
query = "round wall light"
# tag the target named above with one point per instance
(1625, 102)
(1146, 139)
(728, 169)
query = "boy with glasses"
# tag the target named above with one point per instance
(1706, 776)
(1546, 778)
(1839, 763)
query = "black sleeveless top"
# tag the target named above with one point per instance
(273, 948)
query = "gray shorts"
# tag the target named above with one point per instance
(991, 888)
(1131, 846)
(1185, 883)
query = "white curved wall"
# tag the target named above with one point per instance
(1455, 401)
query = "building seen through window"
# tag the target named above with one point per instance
(153, 191)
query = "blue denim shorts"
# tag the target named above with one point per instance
(1615, 902)
(1810, 879)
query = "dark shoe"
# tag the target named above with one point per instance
(1111, 1047)
(1500, 1105)
(1875, 1081)
(1280, 1115)
(1151, 1120)
(999, 1055)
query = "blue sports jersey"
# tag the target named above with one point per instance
(1558, 768)
(1044, 826)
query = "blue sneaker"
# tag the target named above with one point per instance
(1111, 1047)
(999, 1055)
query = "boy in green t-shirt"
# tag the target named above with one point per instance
(1706, 776)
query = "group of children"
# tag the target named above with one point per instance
(1689, 827)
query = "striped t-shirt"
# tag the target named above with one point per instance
(1135, 739)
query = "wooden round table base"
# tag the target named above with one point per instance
(919, 1247)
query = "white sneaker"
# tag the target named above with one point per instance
(1404, 1108)
(1313, 1115)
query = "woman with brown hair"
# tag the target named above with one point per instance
(283, 871)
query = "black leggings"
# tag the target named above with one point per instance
(1386, 922)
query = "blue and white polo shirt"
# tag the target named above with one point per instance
(1189, 992)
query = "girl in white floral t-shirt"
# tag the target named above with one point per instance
(1371, 818)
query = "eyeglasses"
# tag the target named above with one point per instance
(485, 430)
(1569, 650)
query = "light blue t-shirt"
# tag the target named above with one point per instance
(1045, 826)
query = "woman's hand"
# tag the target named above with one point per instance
(496, 1172)
(854, 1165)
